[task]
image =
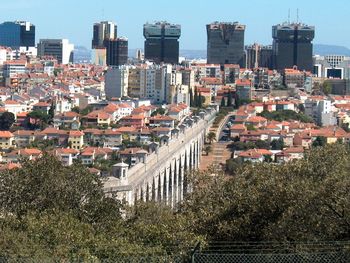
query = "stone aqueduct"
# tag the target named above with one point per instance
(162, 175)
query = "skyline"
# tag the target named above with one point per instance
(74, 20)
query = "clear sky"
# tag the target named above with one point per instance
(73, 19)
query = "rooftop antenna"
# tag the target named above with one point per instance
(288, 15)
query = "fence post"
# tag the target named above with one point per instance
(196, 248)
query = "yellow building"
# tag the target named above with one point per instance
(76, 139)
(6, 140)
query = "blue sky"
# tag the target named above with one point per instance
(73, 19)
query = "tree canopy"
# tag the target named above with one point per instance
(6, 120)
(303, 200)
(52, 211)
(285, 115)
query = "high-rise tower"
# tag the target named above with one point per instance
(17, 34)
(161, 44)
(292, 46)
(225, 43)
(102, 31)
(107, 48)
(117, 51)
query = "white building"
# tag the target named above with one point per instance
(320, 111)
(116, 82)
(14, 67)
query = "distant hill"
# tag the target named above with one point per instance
(321, 49)
(82, 54)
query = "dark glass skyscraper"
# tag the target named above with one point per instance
(225, 43)
(17, 34)
(117, 51)
(161, 44)
(102, 31)
(292, 46)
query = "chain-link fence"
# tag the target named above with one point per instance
(223, 252)
(116, 259)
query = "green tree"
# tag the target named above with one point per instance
(238, 146)
(208, 149)
(265, 202)
(48, 185)
(40, 117)
(195, 97)
(326, 87)
(191, 97)
(277, 144)
(233, 165)
(267, 158)
(51, 112)
(201, 100)
(86, 110)
(76, 109)
(319, 141)
(301, 108)
(345, 127)
(222, 104)
(6, 120)
(229, 99)
(260, 144)
(158, 111)
(250, 127)
(285, 115)
(211, 136)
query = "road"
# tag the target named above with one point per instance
(220, 153)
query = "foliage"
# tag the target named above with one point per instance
(242, 146)
(285, 115)
(198, 99)
(250, 127)
(86, 110)
(47, 144)
(208, 149)
(229, 99)
(223, 112)
(277, 144)
(222, 103)
(195, 98)
(233, 165)
(239, 101)
(303, 200)
(326, 87)
(49, 211)
(201, 100)
(158, 111)
(41, 119)
(6, 120)
(211, 136)
(301, 108)
(261, 144)
(76, 109)
(345, 127)
(51, 111)
(191, 98)
(319, 141)
(52, 211)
